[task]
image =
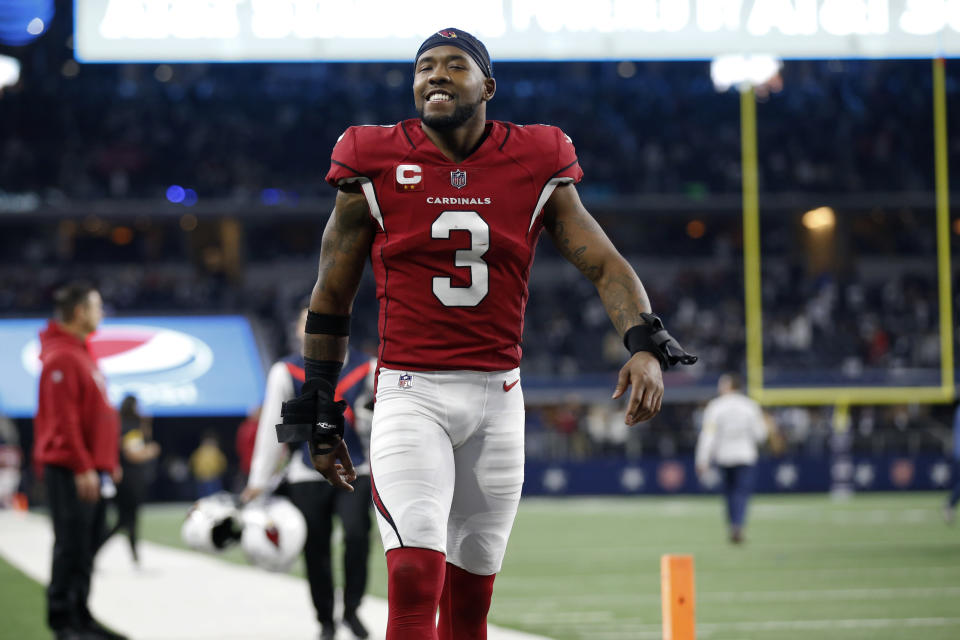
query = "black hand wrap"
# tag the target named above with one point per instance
(654, 338)
(313, 417)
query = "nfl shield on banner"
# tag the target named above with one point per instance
(458, 178)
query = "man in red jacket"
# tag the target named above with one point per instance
(76, 444)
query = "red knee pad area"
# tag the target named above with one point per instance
(413, 592)
(464, 605)
(421, 581)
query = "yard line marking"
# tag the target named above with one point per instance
(848, 571)
(551, 581)
(812, 625)
(700, 547)
(521, 601)
(646, 631)
(564, 618)
(829, 594)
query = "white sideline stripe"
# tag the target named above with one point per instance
(183, 595)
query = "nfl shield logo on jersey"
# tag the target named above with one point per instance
(458, 178)
(406, 381)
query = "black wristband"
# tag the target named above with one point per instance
(329, 323)
(327, 370)
(639, 338)
(653, 338)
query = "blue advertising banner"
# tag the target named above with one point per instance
(176, 366)
(658, 476)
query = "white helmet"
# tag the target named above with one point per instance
(212, 524)
(273, 533)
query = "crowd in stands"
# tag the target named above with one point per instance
(573, 430)
(86, 131)
(828, 329)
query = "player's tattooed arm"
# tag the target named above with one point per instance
(343, 252)
(580, 240)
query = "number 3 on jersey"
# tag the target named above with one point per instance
(472, 258)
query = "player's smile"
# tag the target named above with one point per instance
(438, 96)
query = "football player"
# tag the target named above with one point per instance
(448, 207)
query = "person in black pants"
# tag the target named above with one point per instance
(318, 501)
(312, 494)
(137, 453)
(76, 522)
(76, 442)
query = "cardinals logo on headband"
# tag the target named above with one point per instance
(447, 33)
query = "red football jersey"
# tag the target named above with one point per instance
(454, 241)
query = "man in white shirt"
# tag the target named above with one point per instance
(311, 493)
(733, 427)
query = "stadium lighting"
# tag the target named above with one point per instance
(9, 71)
(819, 219)
(35, 27)
(23, 21)
(626, 69)
(70, 69)
(175, 194)
(189, 222)
(739, 71)
(271, 196)
(696, 229)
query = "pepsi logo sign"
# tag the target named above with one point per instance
(127, 353)
(175, 365)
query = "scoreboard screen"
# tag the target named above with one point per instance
(368, 30)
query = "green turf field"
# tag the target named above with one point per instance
(22, 609)
(877, 567)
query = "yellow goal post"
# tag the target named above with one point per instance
(844, 396)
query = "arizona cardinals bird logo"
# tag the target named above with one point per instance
(273, 535)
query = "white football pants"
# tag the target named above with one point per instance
(446, 455)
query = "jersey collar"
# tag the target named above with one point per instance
(493, 137)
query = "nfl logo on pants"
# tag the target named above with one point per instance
(458, 178)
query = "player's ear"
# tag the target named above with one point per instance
(489, 88)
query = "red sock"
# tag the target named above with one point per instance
(414, 583)
(464, 605)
